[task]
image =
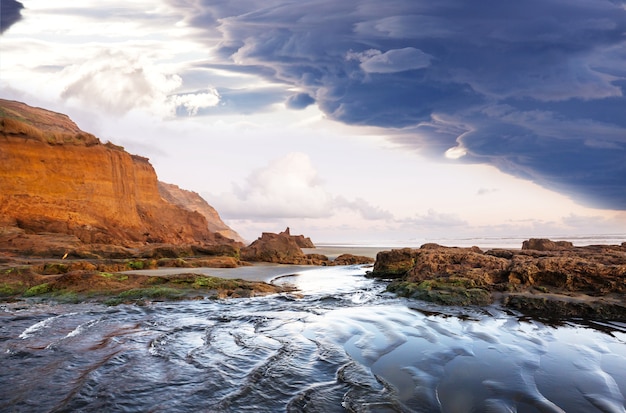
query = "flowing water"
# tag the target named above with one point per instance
(343, 345)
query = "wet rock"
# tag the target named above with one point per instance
(446, 275)
(349, 259)
(394, 263)
(555, 307)
(446, 291)
(318, 259)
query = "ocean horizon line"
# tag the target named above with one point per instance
(482, 242)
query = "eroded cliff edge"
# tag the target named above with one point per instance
(62, 189)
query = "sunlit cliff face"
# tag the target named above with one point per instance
(57, 179)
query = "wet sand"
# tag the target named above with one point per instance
(333, 251)
(258, 272)
(266, 272)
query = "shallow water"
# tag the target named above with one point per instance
(343, 346)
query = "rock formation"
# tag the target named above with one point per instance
(300, 240)
(284, 248)
(194, 202)
(543, 244)
(280, 248)
(57, 179)
(566, 280)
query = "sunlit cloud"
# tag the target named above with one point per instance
(117, 82)
(290, 187)
(287, 187)
(395, 60)
(192, 102)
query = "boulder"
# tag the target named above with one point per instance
(395, 263)
(349, 259)
(543, 244)
(282, 248)
(276, 248)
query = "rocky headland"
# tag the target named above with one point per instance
(74, 210)
(62, 191)
(544, 278)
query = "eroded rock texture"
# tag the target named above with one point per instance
(581, 280)
(57, 179)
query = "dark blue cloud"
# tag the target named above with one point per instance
(10, 13)
(299, 101)
(535, 88)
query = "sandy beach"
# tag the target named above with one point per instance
(258, 272)
(266, 272)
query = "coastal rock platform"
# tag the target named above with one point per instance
(544, 278)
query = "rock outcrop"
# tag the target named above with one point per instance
(194, 202)
(584, 281)
(543, 244)
(280, 248)
(57, 179)
(284, 248)
(300, 240)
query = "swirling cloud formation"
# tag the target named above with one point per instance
(535, 88)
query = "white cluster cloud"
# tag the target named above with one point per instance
(192, 102)
(289, 187)
(392, 61)
(118, 82)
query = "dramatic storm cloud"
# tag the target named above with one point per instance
(9, 13)
(535, 88)
(349, 121)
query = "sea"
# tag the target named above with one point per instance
(487, 242)
(341, 343)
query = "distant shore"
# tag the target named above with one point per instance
(484, 243)
(333, 251)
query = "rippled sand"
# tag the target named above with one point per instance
(266, 271)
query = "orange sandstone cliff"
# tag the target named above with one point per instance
(55, 178)
(194, 202)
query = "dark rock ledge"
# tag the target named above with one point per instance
(545, 278)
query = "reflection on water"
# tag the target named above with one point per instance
(343, 346)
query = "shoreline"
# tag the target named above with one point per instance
(543, 277)
(257, 272)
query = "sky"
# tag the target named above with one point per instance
(357, 121)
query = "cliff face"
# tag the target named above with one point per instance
(194, 202)
(55, 178)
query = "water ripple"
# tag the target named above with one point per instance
(355, 350)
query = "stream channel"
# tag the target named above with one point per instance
(342, 344)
